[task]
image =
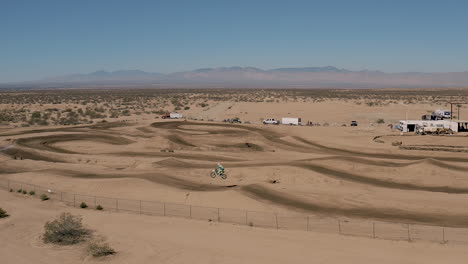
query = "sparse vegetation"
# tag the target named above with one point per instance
(83, 205)
(99, 247)
(32, 193)
(99, 207)
(380, 121)
(67, 229)
(3, 213)
(76, 106)
(44, 197)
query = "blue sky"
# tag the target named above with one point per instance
(49, 38)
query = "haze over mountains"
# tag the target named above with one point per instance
(233, 77)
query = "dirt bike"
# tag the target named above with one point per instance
(219, 173)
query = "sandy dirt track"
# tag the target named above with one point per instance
(315, 173)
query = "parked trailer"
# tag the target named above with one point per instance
(291, 121)
(411, 125)
(175, 116)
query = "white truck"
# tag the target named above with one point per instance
(175, 116)
(270, 121)
(440, 114)
(296, 121)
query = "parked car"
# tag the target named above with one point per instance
(354, 123)
(270, 121)
(233, 120)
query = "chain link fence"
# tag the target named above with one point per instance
(362, 228)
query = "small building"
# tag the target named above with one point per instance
(410, 125)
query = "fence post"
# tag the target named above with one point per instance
(307, 223)
(339, 227)
(409, 237)
(443, 234)
(373, 229)
(74, 198)
(276, 217)
(219, 216)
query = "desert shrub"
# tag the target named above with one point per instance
(3, 213)
(67, 229)
(98, 247)
(99, 207)
(11, 190)
(19, 191)
(187, 108)
(380, 121)
(32, 193)
(44, 197)
(83, 205)
(25, 192)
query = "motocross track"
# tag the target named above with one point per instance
(313, 172)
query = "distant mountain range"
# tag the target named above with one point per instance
(239, 77)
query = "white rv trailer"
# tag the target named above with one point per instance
(291, 121)
(410, 125)
(175, 115)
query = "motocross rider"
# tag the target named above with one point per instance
(220, 169)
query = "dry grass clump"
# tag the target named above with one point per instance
(67, 229)
(3, 213)
(99, 247)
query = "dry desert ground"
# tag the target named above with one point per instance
(290, 190)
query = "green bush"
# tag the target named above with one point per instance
(25, 192)
(98, 247)
(19, 191)
(3, 213)
(380, 121)
(67, 229)
(32, 193)
(83, 205)
(99, 207)
(44, 197)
